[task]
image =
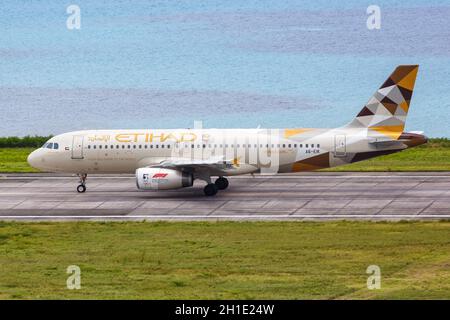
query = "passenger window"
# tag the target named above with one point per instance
(112, 147)
(168, 146)
(306, 145)
(123, 146)
(318, 145)
(295, 145)
(106, 146)
(129, 147)
(55, 146)
(95, 147)
(134, 146)
(300, 145)
(89, 146)
(312, 145)
(100, 146)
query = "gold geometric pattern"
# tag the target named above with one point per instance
(386, 111)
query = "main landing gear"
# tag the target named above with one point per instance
(82, 187)
(221, 183)
(211, 189)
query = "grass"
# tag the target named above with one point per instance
(225, 260)
(434, 156)
(15, 160)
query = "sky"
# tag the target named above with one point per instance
(164, 64)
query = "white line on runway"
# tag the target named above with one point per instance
(343, 176)
(165, 217)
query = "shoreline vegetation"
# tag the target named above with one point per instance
(23, 142)
(433, 156)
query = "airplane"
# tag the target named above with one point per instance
(174, 158)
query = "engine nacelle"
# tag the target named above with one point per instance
(162, 179)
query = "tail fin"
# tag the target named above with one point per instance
(385, 113)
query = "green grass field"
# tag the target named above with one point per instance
(434, 156)
(225, 260)
(15, 160)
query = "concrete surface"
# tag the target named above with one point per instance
(310, 196)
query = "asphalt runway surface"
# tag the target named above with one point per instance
(309, 196)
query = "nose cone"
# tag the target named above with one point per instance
(33, 159)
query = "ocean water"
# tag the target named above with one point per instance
(164, 64)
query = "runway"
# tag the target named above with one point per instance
(310, 196)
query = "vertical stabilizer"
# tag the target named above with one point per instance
(385, 113)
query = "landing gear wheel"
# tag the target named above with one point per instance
(221, 183)
(210, 189)
(81, 188)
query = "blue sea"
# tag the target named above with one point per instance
(238, 64)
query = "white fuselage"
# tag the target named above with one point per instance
(244, 150)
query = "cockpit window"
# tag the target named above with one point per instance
(45, 145)
(50, 145)
(55, 146)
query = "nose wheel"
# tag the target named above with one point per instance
(82, 187)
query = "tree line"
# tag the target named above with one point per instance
(21, 142)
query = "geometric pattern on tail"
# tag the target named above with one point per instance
(385, 112)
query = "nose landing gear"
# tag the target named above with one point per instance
(82, 187)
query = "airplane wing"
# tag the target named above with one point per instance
(217, 163)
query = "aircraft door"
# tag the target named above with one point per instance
(340, 148)
(77, 147)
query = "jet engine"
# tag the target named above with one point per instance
(162, 179)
